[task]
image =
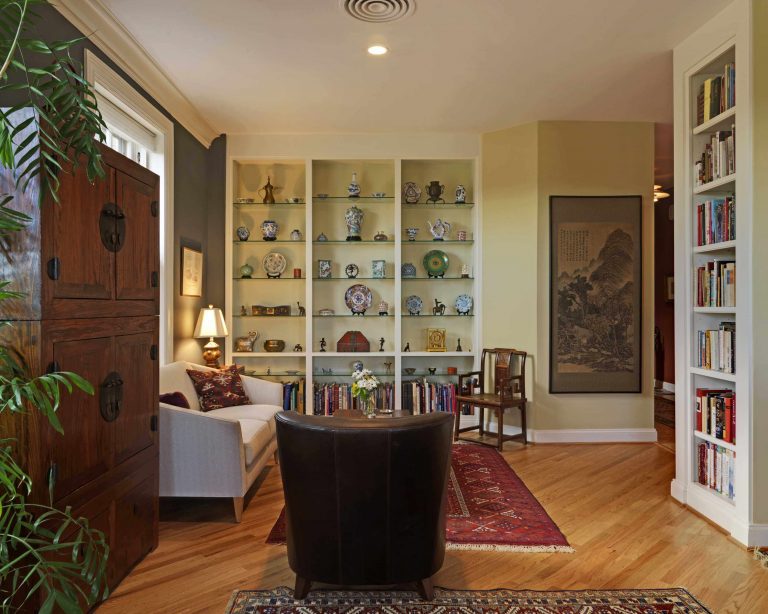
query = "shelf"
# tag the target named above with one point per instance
(301, 204)
(262, 242)
(437, 354)
(715, 440)
(724, 184)
(351, 315)
(268, 278)
(714, 493)
(428, 374)
(433, 242)
(715, 310)
(351, 200)
(716, 123)
(252, 316)
(345, 242)
(728, 377)
(351, 278)
(466, 206)
(275, 374)
(429, 315)
(715, 247)
(384, 354)
(337, 375)
(437, 278)
(269, 354)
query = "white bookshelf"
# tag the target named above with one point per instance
(305, 179)
(703, 55)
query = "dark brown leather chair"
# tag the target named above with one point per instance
(365, 499)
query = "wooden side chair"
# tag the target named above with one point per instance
(504, 369)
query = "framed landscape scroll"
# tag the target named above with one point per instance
(191, 272)
(595, 294)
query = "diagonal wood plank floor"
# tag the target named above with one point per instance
(611, 501)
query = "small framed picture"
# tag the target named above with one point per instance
(378, 269)
(191, 272)
(324, 269)
(670, 288)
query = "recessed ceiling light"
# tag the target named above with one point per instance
(377, 50)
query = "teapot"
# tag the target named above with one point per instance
(439, 229)
(268, 189)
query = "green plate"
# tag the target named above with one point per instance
(436, 263)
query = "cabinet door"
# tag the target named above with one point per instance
(138, 266)
(135, 521)
(85, 450)
(72, 236)
(137, 368)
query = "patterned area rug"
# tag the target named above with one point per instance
(664, 410)
(646, 601)
(489, 508)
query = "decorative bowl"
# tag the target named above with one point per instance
(325, 312)
(409, 370)
(274, 345)
(292, 371)
(378, 194)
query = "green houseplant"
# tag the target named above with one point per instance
(47, 556)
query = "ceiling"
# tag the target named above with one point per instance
(455, 65)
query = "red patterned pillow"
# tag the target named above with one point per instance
(217, 389)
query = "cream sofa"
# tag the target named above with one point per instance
(219, 453)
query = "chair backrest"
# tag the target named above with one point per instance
(505, 368)
(365, 499)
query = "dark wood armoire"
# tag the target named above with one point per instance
(89, 268)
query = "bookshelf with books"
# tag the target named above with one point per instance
(713, 240)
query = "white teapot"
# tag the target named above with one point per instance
(439, 229)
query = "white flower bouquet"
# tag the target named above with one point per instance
(364, 384)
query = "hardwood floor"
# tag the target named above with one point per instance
(611, 501)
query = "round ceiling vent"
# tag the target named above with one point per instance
(378, 11)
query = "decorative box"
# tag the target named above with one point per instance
(277, 310)
(353, 341)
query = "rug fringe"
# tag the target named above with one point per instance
(507, 548)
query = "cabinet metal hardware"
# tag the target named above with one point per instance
(53, 268)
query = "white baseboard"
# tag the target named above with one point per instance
(677, 490)
(593, 435)
(758, 535)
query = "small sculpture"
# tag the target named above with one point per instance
(302, 310)
(269, 370)
(321, 237)
(268, 189)
(298, 348)
(322, 344)
(380, 236)
(432, 370)
(407, 347)
(439, 229)
(458, 346)
(243, 310)
(381, 344)
(245, 344)
(388, 367)
(438, 309)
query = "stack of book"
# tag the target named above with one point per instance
(717, 348)
(718, 159)
(293, 396)
(716, 413)
(716, 95)
(716, 221)
(716, 284)
(423, 397)
(330, 397)
(715, 470)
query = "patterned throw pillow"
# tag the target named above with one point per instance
(217, 389)
(175, 398)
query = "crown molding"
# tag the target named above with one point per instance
(104, 30)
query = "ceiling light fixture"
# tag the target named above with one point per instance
(658, 194)
(377, 50)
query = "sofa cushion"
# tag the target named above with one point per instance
(265, 413)
(256, 437)
(217, 389)
(176, 399)
(174, 377)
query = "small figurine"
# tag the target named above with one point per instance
(302, 310)
(269, 370)
(388, 367)
(243, 310)
(322, 344)
(407, 347)
(298, 348)
(438, 309)
(458, 346)
(381, 344)
(432, 370)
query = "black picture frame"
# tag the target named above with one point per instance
(596, 294)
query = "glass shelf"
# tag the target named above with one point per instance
(436, 278)
(350, 375)
(250, 316)
(273, 374)
(300, 204)
(268, 278)
(347, 199)
(350, 315)
(351, 278)
(438, 206)
(432, 242)
(344, 242)
(428, 374)
(447, 315)
(262, 242)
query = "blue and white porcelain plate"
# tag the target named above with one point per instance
(463, 304)
(358, 298)
(414, 304)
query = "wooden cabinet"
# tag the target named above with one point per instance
(90, 307)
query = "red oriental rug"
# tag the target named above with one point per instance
(501, 601)
(489, 508)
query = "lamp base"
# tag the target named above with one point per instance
(211, 354)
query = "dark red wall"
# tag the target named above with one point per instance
(664, 311)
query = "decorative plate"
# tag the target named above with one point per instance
(414, 304)
(408, 270)
(274, 264)
(358, 298)
(351, 270)
(411, 192)
(463, 304)
(436, 263)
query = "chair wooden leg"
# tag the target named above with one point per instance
(301, 588)
(426, 588)
(277, 458)
(238, 504)
(500, 428)
(523, 421)
(457, 424)
(482, 420)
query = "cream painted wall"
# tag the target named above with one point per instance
(522, 168)
(760, 258)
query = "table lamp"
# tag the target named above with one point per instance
(210, 323)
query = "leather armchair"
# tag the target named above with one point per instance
(365, 499)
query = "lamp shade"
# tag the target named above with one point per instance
(210, 323)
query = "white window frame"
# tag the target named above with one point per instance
(106, 82)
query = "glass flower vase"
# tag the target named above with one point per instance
(369, 407)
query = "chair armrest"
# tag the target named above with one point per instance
(200, 455)
(262, 392)
(464, 376)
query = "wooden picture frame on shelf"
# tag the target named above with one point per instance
(595, 294)
(191, 283)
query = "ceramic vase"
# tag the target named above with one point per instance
(434, 191)
(383, 308)
(243, 233)
(461, 195)
(296, 235)
(246, 271)
(354, 220)
(411, 232)
(353, 190)
(269, 229)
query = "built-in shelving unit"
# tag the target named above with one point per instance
(713, 241)
(404, 336)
